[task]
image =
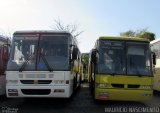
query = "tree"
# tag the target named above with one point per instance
(141, 33)
(148, 35)
(85, 58)
(129, 33)
(85, 61)
(71, 28)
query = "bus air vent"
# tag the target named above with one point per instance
(118, 85)
(27, 81)
(36, 81)
(133, 86)
(44, 81)
(36, 91)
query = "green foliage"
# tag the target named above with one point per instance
(85, 58)
(148, 35)
(129, 33)
(141, 33)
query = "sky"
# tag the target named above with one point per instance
(95, 17)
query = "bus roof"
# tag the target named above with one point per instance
(123, 38)
(40, 31)
(155, 41)
(35, 32)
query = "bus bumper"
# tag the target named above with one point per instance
(38, 91)
(123, 94)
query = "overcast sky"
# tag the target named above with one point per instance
(95, 17)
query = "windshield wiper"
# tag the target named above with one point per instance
(46, 62)
(25, 63)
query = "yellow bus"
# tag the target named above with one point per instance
(120, 68)
(155, 47)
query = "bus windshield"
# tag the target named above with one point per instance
(31, 53)
(138, 59)
(111, 57)
(55, 50)
(124, 58)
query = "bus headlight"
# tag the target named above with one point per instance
(58, 81)
(104, 95)
(12, 81)
(12, 90)
(146, 87)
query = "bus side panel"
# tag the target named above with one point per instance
(156, 85)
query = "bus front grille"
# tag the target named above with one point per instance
(118, 85)
(36, 81)
(36, 91)
(133, 86)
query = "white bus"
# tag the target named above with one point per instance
(43, 64)
(155, 46)
(3, 63)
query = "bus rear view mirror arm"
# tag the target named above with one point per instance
(94, 56)
(154, 58)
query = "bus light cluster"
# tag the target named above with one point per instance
(12, 92)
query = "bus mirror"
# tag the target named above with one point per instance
(71, 45)
(5, 55)
(154, 58)
(74, 53)
(93, 56)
